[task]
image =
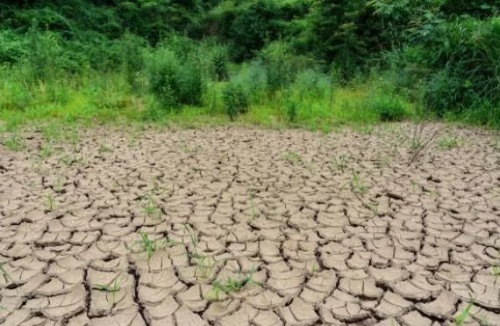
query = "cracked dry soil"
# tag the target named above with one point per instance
(378, 243)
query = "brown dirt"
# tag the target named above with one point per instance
(396, 245)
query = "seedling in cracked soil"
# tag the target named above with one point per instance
(5, 274)
(448, 142)
(233, 285)
(150, 246)
(460, 318)
(292, 157)
(45, 151)
(314, 267)
(150, 207)
(252, 205)
(105, 148)
(114, 289)
(204, 264)
(356, 185)
(341, 162)
(50, 201)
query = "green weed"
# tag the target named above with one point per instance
(150, 206)
(150, 246)
(314, 267)
(105, 148)
(68, 159)
(356, 185)
(341, 162)
(462, 316)
(45, 150)
(113, 289)
(14, 143)
(51, 132)
(189, 149)
(448, 142)
(495, 271)
(5, 274)
(291, 157)
(231, 285)
(204, 264)
(50, 201)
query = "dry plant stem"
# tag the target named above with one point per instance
(421, 146)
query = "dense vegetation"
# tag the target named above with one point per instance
(304, 62)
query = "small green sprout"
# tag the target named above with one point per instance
(291, 157)
(356, 185)
(114, 289)
(233, 285)
(460, 318)
(5, 274)
(341, 162)
(50, 201)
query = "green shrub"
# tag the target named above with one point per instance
(219, 62)
(387, 107)
(252, 78)
(465, 57)
(312, 83)
(132, 60)
(173, 81)
(14, 46)
(282, 65)
(234, 99)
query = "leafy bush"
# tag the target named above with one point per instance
(173, 81)
(219, 62)
(252, 78)
(387, 107)
(235, 101)
(465, 55)
(282, 65)
(132, 61)
(312, 83)
(14, 46)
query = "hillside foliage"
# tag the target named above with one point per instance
(440, 57)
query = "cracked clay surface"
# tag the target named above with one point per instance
(249, 227)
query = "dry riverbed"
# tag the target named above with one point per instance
(241, 226)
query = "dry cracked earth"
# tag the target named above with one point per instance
(242, 226)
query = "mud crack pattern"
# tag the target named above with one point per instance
(332, 229)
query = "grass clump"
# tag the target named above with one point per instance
(50, 201)
(204, 264)
(150, 206)
(150, 246)
(448, 142)
(341, 162)
(356, 185)
(291, 157)
(232, 285)
(14, 142)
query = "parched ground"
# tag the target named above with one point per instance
(244, 226)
